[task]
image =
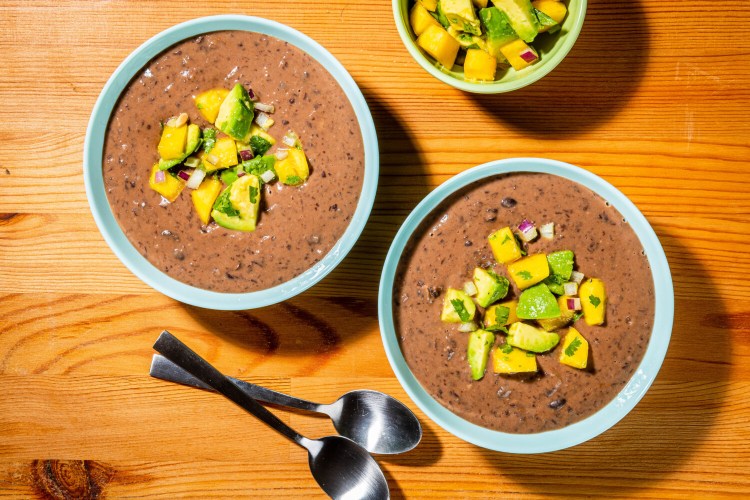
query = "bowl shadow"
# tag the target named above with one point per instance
(590, 86)
(666, 426)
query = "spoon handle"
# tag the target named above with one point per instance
(184, 357)
(164, 369)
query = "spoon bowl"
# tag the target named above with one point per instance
(375, 420)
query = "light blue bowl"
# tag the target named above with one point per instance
(105, 220)
(603, 419)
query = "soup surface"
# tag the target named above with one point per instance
(297, 225)
(452, 241)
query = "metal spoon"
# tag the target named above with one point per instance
(376, 421)
(341, 467)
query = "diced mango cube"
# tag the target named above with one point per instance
(205, 196)
(593, 301)
(430, 5)
(508, 359)
(170, 188)
(293, 170)
(566, 315)
(479, 65)
(553, 8)
(575, 350)
(172, 142)
(222, 155)
(504, 246)
(420, 19)
(529, 270)
(209, 102)
(515, 52)
(495, 317)
(439, 44)
(511, 305)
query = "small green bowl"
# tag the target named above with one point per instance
(552, 49)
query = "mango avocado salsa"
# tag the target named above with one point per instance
(548, 301)
(483, 38)
(227, 166)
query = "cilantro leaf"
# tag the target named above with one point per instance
(506, 349)
(253, 194)
(293, 180)
(458, 306)
(209, 139)
(224, 205)
(573, 347)
(576, 317)
(595, 301)
(506, 239)
(259, 145)
(259, 164)
(525, 275)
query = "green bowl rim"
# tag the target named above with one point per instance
(606, 416)
(102, 212)
(401, 19)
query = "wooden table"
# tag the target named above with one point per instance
(654, 97)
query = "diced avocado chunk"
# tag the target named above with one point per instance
(555, 284)
(531, 338)
(561, 263)
(259, 145)
(236, 114)
(490, 286)
(537, 302)
(521, 16)
(508, 359)
(457, 307)
(496, 317)
(229, 175)
(439, 14)
(461, 16)
(193, 139)
(546, 23)
(498, 29)
(565, 317)
(480, 342)
(575, 350)
(237, 206)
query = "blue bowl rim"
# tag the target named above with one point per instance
(110, 229)
(607, 416)
(497, 87)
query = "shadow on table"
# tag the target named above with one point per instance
(315, 322)
(597, 78)
(664, 429)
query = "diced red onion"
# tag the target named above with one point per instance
(574, 304)
(547, 230)
(576, 277)
(196, 178)
(160, 177)
(470, 288)
(528, 231)
(467, 327)
(246, 154)
(267, 176)
(251, 94)
(263, 120)
(570, 288)
(212, 159)
(184, 174)
(529, 55)
(281, 153)
(193, 162)
(267, 108)
(241, 173)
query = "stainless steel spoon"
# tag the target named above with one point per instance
(341, 467)
(376, 421)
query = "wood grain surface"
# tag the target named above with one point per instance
(654, 97)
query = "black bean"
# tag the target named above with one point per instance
(508, 202)
(558, 403)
